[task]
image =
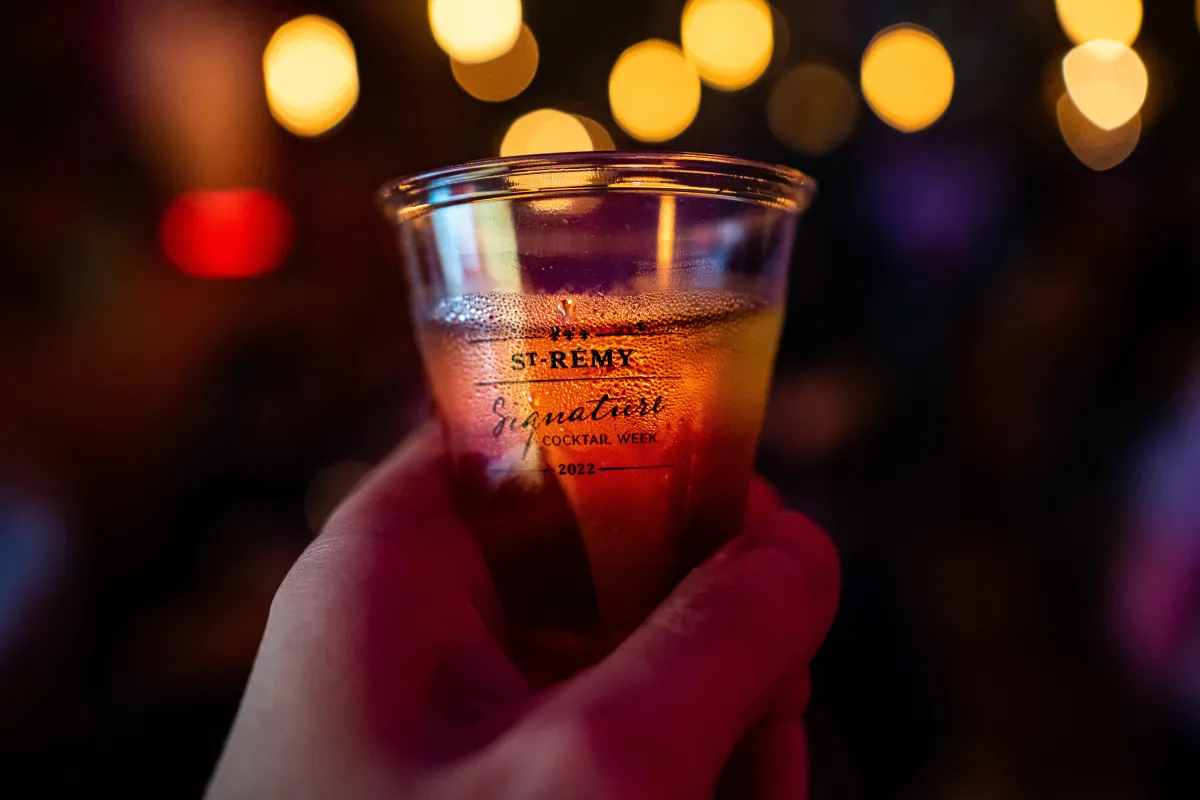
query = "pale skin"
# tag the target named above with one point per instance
(383, 670)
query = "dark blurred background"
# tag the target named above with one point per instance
(988, 388)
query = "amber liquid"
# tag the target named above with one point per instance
(603, 445)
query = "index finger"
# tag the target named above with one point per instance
(672, 701)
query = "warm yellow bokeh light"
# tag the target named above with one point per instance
(601, 140)
(474, 31)
(1107, 81)
(812, 108)
(654, 91)
(501, 78)
(1097, 148)
(1084, 20)
(311, 75)
(546, 130)
(907, 77)
(728, 41)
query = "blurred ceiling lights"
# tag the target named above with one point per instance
(1084, 20)
(311, 75)
(1106, 80)
(475, 31)
(1096, 147)
(907, 77)
(601, 140)
(812, 108)
(654, 91)
(729, 42)
(234, 233)
(546, 130)
(501, 78)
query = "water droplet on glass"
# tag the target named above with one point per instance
(564, 309)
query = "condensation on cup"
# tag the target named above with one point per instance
(598, 331)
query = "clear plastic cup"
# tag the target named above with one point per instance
(598, 331)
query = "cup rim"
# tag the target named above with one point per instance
(557, 174)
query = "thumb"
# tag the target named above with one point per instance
(666, 709)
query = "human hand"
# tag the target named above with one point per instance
(383, 670)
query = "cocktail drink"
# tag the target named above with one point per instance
(598, 332)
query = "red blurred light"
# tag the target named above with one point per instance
(234, 233)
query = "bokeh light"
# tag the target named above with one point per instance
(1106, 80)
(601, 140)
(311, 75)
(546, 130)
(936, 204)
(234, 233)
(1084, 20)
(654, 91)
(907, 77)
(812, 108)
(501, 78)
(1096, 147)
(474, 31)
(728, 41)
